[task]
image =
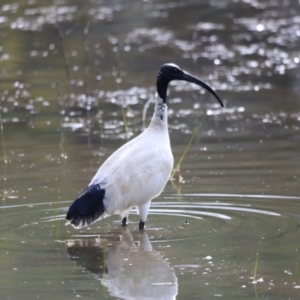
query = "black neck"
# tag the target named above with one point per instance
(162, 86)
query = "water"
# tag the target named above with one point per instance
(74, 79)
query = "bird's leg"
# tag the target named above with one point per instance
(124, 216)
(141, 225)
(143, 212)
(124, 221)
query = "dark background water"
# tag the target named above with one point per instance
(74, 79)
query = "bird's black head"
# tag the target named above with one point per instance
(169, 72)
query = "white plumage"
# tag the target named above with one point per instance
(138, 171)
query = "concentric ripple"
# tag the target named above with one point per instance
(193, 206)
(203, 235)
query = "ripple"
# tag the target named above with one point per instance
(219, 220)
(187, 209)
(229, 211)
(243, 196)
(204, 216)
(226, 206)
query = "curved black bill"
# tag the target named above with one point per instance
(190, 78)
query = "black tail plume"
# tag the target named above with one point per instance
(87, 208)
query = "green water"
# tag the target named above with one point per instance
(74, 79)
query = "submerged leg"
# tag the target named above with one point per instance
(141, 225)
(124, 215)
(124, 221)
(143, 212)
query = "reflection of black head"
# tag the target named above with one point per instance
(169, 72)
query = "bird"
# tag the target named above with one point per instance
(138, 171)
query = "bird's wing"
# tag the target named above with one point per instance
(113, 160)
(140, 175)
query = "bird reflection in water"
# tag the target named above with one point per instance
(129, 269)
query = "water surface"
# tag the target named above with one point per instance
(74, 79)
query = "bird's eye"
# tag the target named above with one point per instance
(175, 70)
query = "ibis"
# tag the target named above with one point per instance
(138, 171)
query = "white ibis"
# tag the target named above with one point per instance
(138, 171)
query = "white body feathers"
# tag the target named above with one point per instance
(139, 170)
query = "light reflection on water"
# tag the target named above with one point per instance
(237, 200)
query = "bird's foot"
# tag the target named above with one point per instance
(124, 221)
(141, 225)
